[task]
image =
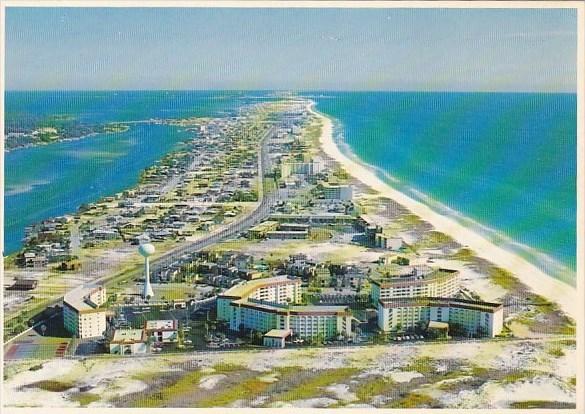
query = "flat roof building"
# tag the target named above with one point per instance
(465, 317)
(82, 315)
(436, 283)
(164, 331)
(129, 342)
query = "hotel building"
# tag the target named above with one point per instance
(279, 289)
(471, 317)
(437, 283)
(82, 316)
(265, 304)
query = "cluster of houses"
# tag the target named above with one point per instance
(46, 242)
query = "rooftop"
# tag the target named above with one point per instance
(161, 325)
(411, 274)
(278, 333)
(247, 288)
(78, 298)
(128, 336)
(448, 302)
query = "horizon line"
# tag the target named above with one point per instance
(295, 91)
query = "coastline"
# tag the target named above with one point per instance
(537, 280)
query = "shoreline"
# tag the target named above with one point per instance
(537, 280)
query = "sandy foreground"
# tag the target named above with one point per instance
(541, 283)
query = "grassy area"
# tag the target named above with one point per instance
(422, 365)
(432, 239)
(517, 375)
(373, 387)
(53, 386)
(413, 400)
(411, 220)
(247, 389)
(540, 404)
(503, 278)
(312, 387)
(167, 394)
(464, 255)
(85, 398)
(320, 234)
(556, 351)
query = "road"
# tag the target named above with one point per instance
(266, 198)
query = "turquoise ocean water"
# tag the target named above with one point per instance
(504, 163)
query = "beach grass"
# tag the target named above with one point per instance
(85, 398)
(374, 386)
(313, 386)
(166, 395)
(413, 400)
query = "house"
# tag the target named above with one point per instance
(275, 338)
(164, 331)
(129, 342)
(24, 284)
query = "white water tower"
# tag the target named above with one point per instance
(146, 250)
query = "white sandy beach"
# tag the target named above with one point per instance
(540, 283)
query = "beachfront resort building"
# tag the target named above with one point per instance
(267, 304)
(279, 289)
(290, 166)
(82, 315)
(473, 318)
(416, 283)
(343, 192)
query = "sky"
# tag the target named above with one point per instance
(525, 50)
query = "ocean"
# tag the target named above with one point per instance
(504, 163)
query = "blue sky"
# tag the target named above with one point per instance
(292, 49)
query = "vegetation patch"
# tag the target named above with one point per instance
(464, 255)
(503, 278)
(53, 386)
(556, 351)
(245, 390)
(162, 397)
(515, 376)
(85, 398)
(541, 404)
(374, 386)
(423, 365)
(414, 400)
(312, 386)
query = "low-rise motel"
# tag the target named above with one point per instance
(82, 315)
(268, 304)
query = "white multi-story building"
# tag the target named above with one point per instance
(302, 321)
(438, 283)
(343, 192)
(472, 317)
(384, 241)
(290, 166)
(279, 289)
(82, 316)
(267, 304)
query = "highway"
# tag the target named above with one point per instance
(261, 211)
(266, 200)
